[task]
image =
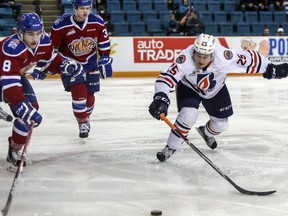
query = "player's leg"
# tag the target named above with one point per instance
(79, 105)
(219, 109)
(188, 103)
(79, 93)
(20, 128)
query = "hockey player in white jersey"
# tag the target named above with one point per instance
(199, 73)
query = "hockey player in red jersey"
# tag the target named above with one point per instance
(81, 36)
(20, 52)
(199, 73)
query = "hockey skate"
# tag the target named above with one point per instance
(210, 141)
(84, 129)
(165, 153)
(14, 156)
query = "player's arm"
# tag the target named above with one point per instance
(13, 92)
(50, 62)
(11, 80)
(165, 82)
(248, 61)
(104, 61)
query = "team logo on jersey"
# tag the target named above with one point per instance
(82, 46)
(13, 43)
(58, 20)
(206, 83)
(228, 54)
(181, 59)
(71, 31)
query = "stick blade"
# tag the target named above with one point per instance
(254, 193)
(258, 193)
(4, 211)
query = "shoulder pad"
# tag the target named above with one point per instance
(95, 18)
(46, 39)
(13, 46)
(62, 20)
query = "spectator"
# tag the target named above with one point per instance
(100, 5)
(38, 8)
(191, 25)
(183, 8)
(266, 31)
(276, 5)
(248, 5)
(106, 17)
(172, 6)
(14, 30)
(16, 7)
(280, 32)
(172, 26)
(262, 5)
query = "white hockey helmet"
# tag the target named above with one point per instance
(204, 44)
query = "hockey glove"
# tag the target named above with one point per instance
(159, 105)
(276, 71)
(105, 66)
(27, 113)
(38, 74)
(71, 68)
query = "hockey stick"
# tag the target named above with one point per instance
(18, 172)
(5, 116)
(241, 190)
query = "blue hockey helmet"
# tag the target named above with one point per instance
(79, 3)
(29, 22)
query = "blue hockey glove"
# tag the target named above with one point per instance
(276, 71)
(27, 113)
(159, 105)
(38, 74)
(105, 66)
(71, 68)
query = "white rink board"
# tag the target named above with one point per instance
(153, 54)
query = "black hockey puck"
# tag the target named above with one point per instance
(9, 118)
(156, 212)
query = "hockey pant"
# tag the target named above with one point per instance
(82, 92)
(219, 109)
(185, 120)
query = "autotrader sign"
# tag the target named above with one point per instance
(158, 49)
(162, 49)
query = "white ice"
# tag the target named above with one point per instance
(115, 173)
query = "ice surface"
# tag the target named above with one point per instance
(115, 173)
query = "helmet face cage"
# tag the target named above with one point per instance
(79, 3)
(205, 44)
(29, 22)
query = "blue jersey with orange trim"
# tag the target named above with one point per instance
(15, 59)
(81, 42)
(209, 81)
